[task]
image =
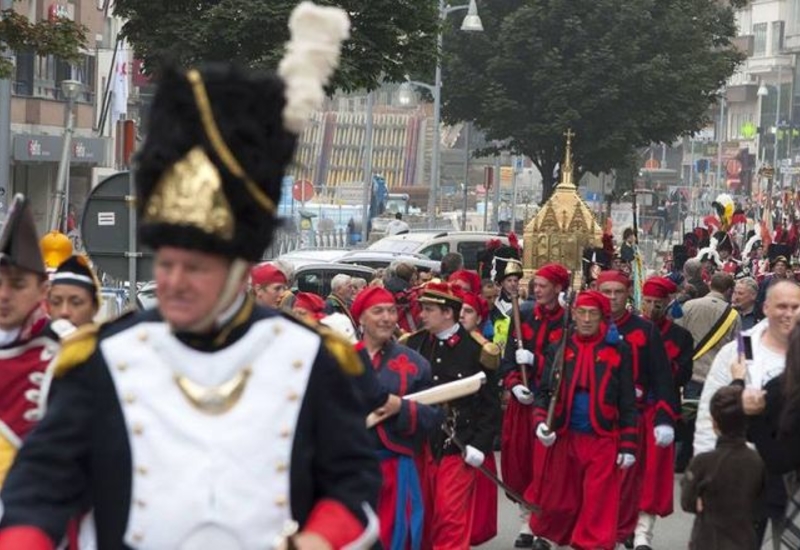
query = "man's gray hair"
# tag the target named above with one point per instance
(750, 283)
(339, 281)
(692, 267)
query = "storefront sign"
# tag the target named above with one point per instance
(39, 148)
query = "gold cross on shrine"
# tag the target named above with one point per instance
(569, 134)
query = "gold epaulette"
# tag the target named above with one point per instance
(341, 350)
(407, 336)
(490, 352)
(76, 348)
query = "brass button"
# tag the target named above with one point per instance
(130, 398)
(297, 364)
(138, 429)
(293, 396)
(280, 501)
(140, 503)
(281, 467)
(277, 329)
(285, 433)
(122, 366)
(141, 470)
(138, 537)
(143, 336)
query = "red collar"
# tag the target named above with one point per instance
(541, 312)
(623, 319)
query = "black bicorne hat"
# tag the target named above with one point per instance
(19, 243)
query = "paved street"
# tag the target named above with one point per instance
(672, 533)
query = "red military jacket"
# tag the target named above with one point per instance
(652, 374)
(541, 328)
(608, 381)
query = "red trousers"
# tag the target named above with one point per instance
(657, 486)
(580, 493)
(631, 493)
(448, 493)
(484, 513)
(516, 445)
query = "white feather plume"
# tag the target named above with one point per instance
(748, 247)
(312, 55)
(709, 253)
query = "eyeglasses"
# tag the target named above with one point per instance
(590, 313)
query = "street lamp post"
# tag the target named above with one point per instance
(70, 89)
(472, 23)
(720, 137)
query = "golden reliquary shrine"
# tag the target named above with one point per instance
(563, 227)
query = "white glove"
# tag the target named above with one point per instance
(523, 357)
(664, 435)
(546, 436)
(625, 460)
(473, 456)
(522, 394)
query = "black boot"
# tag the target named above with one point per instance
(540, 544)
(629, 542)
(643, 547)
(524, 540)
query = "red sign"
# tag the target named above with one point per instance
(58, 10)
(302, 190)
(652, 164)
(733, 167)
(138, 77)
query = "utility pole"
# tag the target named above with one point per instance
(5, 126)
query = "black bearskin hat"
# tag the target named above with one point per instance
(209, 174)
(247, 111)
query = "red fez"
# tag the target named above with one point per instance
(659, 287)
(470, 277)
(266, 274)
(311, 303)
(555, 273)
(476, 302)
(592, 298)
(440, 293)
(369, 297)
(613, 276)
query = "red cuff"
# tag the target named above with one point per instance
(412, 418)
(332, 521)
(29, 538)
(512, 379)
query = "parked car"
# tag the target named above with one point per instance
(378, 260)
(317, 277)
(146, 297)
(299, 258)
(435, 244)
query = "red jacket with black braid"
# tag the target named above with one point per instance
(604, 371)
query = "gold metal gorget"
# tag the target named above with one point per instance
(215, 400)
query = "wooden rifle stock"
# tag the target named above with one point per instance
(558, 361)
(518, 330)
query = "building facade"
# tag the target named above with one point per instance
(39, 110)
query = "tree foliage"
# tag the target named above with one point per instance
(389, 38)
(620, 73)
(60, 37)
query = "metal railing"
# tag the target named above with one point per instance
(335, 239)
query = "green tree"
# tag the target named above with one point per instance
(620, 73)
(60, 37)
(389, 38)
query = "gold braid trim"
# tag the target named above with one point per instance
(219, 145)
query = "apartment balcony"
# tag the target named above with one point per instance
(768, 67)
